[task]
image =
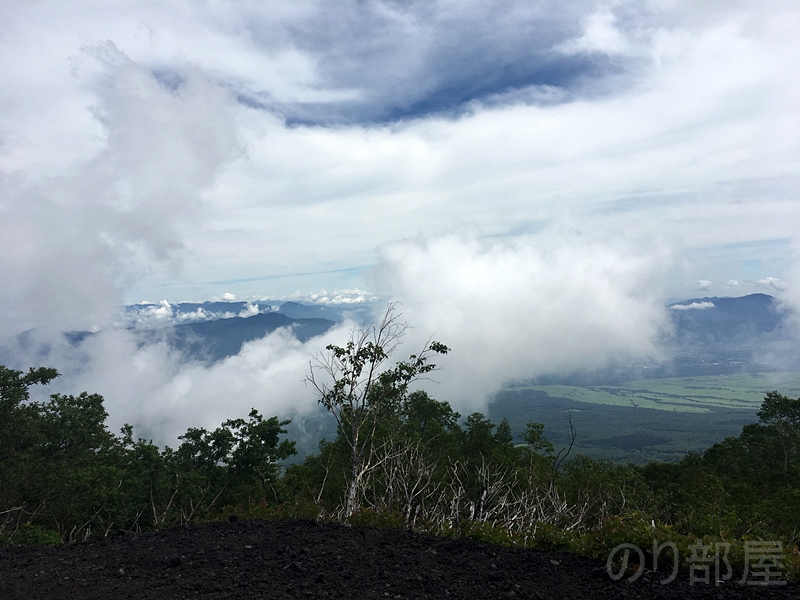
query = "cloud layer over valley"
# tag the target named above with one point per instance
(552, 304)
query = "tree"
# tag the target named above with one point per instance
(781, 415)
(62, 469)
(534, 436)
(18, 418)
(426, 418)
(210, 463)
(20, 433)
(58, 464)
(352, 388)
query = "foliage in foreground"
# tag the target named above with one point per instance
(65, 477)
(63, 471)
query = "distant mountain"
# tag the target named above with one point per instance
(222, 338)
(727, 320)
(722, 336)
(211, 307)
(216, 336)
(308, 311)
(362, 313)
(216, 330)
(164, 313)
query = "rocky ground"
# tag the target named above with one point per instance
(305, 559)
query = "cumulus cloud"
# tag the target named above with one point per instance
(687, 131)
(553, 303)
(549, 304)
(703, 284)
(161, 393)
(147, 314)
(249, 310)
(267, 374)
(789, 297)
(72, 241)
(773, 283)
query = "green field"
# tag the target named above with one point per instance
(682, 394)
(646, 419)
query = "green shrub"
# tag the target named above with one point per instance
(34, 535)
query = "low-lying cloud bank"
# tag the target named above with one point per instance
(552, 304)
(548, 304)
(153, 388)
(161, 392)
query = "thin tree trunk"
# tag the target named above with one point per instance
(351, 504)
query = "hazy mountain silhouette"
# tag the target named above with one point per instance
(711, 335)
(727, 320)
(222, 338)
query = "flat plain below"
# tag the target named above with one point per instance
(645, 419)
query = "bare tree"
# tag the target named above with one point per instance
(350, 384)
(402, 478)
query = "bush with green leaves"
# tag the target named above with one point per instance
(62, 470)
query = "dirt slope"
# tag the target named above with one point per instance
(304, 559)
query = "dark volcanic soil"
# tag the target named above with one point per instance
(304, 559)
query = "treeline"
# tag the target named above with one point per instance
(401, 458)
(64, 476)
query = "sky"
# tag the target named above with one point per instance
(533, 180)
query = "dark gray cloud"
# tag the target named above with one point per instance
(413, 59)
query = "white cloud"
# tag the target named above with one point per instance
(555, 303)
(551, 304)
(196, 315)
(599, 35)
(249, 310)
(228, 297)
(71, 243)
(789, 297)
(153, 387)
(679, 147)
(692, 306)
(163, 310)
(703, 284)
(352, 296)
(773, 283)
